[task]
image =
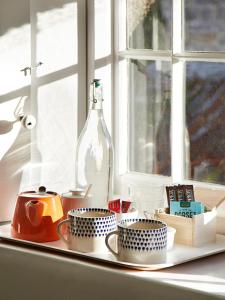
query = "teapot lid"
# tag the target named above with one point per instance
(42, 192)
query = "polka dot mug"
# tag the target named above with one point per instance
(87, 229)
(140, 241)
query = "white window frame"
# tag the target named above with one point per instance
(178, 57)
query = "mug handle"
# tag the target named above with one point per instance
(59, 230)
(116, 232)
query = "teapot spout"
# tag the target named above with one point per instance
(34, 211)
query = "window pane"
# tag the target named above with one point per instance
(149, 116)
(53, 153)
(149, 24)
(14, 45)
(56, 35)
(204, 25)
(102, 28)
(205, 110)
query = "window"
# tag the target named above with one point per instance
(162, 65)
(170, 86)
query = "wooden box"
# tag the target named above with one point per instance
(202, 228)
(196, 231)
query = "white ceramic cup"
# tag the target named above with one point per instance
(87, 229)
(132, 214)
(170, 237)
(140, 241)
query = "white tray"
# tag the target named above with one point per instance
(178, 255)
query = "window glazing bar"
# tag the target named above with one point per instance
(146, 54)
(201, 56)
(178, 98)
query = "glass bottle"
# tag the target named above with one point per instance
(94, 154)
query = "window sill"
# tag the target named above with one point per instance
(39, 275)
(148, 191)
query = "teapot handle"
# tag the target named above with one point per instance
(34, 211)
(60, 232)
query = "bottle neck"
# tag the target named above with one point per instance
(95, 105)
(96, 95)
(95, 113)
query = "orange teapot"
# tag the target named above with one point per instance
(37, 215)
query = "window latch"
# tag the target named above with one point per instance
(28, 69)
(25, 70)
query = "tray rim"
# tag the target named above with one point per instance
(94, 258)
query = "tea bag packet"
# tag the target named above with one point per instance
(171, 194)
(182, 202)
(186, 209)
(125, 206)
(124, 209)
(121, 206)
(180, 191)
(114, 205)
(189, 193)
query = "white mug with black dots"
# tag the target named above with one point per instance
(87, 229)
(142, 241)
